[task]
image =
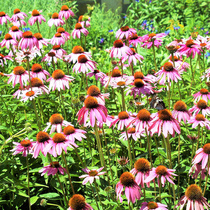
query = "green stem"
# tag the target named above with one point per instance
(169, 151)
(37, 117)
(53, 63)
(149, 147)
(96, 187)
(62, 102)
(198, 137)
(207, 176)
(169, 95)
(38, 26)
(123, 99)
(13, 54)
(29, 202)
(83, 165)
(41, 110)
(157, 149)
(153, 48)
(160, 188)
(129, 149)
(95, 197)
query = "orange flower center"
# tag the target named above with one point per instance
(161, 170)
(121, 83)
(152, 205)
(134, 36)
(204, 91)
(189, 43)
(202, 104)
(59, 138)
(7, 37)
(18, 70)
(91, 102)
(125, 28)
(30, 93)
(168, 66)
(42, 136)
(200, 117)
(142, 165)
(27, 34)
(64, 8)
(123, 115)
(61, 30)
(193, 192)
(35, 13)
(56, 47)
(58, 74)
(118, 43)
(51, 54)
(82, 59)
(16, 11)
(203, 44)
(58, 34)
(80, 18)
(93, 173)
(175, 58)
(2, 14)
(133, 50)
(143, 115)
(36, 68)
(38, 36)
(165, 115)
(77, 202)
(69, 130)
(36, 82)
(127, 179)
(152, 35)
(138, 83)
(131, 130)
(15, 28)
(116, 73)
(55, 15)
(56, 119)
(25, 143)
(78, 26)
(93, 91)
(206, 148)
(55, 164)
(1, 56)
(138, 75)
(180, 106)
(78, 50)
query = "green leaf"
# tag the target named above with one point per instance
(33, 199)
(50, 195)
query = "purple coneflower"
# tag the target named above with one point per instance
(58, 50)
(125, 32)
(28, 41)
(134, 40)
(36, 17)
(41, 40)
(58, 39)
(4, 18)
(52, 169)
(29, 94)
(200, 106)
(8, 41)
(97, 74)
(39, 72)
(17, 15)
(202, 94)
(15, 32)
(196, 169)
(64, 33)
(73, 134)
(3, 59)
(150, 39)
(77, 202)
(51, 57)
(132, 133)
(133, 57)
(200, 120)
(78, 30)
(65, 12)
(55, 20)
(153, 205)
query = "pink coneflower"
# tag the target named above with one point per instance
(65, 12)
(19, 23)
(15, 32)
(120, 49)
(52, 169)
(123, 161)
(8, 41)
(55, 20)
(25, 146)
(153, 205)
(84, 65)
(4, 18)
(180, 112)
(28, 41)
(200, 120)
(134, 40)
(123, 120)
(41, 40)
(19, 75)
(142, 121)
(91, 175)
(64, 33)
(132, 133)
(189, 48)
(95, 92)
(133, 58)
(36, 17)
(202, 155)
(200, 106)
(3, 59)
(169, 73)
(18, 93)
(84, 20)
(142, 169)
(18, 15)
(42, 140)
(57, 39)
(149, 39)
(39, 72)
(132, 190)
(148, 78)
(163, 122)
(56, 121)
(180, 65)
(78, 202)
(78, 30)
(51, 57)
(202, 94)
(97, 74)
(73, 134)
(37, 85)
(92, 111)
(57, 144)
(196, 169)
(125, 32)
(59, 80)
(194, 198)
(29, 94)
(58, 50)
(161, 173)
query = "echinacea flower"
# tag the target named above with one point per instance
(180, 65)
(38, 85)
(196, 169)
(19, 23)
(200, 120)
(65, 12)
(41, 40)
(15, 32)
(194, 199)
(84, 20)
(134, 40)
(91, 175)
(92, 111)
(153, 205)
(42, 140)
(19, 75)
(4, 18)
(36, 17)
(77, 202)
(39, 72)
(55, 20)
(51, 57)
(58, 39)
(73, 134)
(52, 169)
(84, 64)
(162, 174)
(63, 33)
(28, 41)
(168, 73)
(132, 133)
(17, 15)
(125, 32)
(8, 41)
(3, 59)
(58, 50)
(142, 169)
(25, 146)
(123, 161)
(200, 106)
(29, 94)
(56, 121)
(76, 33)
(164, 122)
(97, 74)
(148, 78)
(59, 80)
(202, 94)
(132, 190)
(180, 112)
(133, 57)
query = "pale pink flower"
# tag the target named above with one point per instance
(132, 58)
(200, 106)
(65, 12)
(3, 59)
(133, 134)
(55, 21)
(153, 205)
(76, 33)
(84, 20)
(39, 72)
(41, 41)
(8, 41)
(206, 75)
(4, 18)
(15, 32)
(134, 40)
(97, 74)
(28, 41)
(125, 32)
(58, 39)
(202, 94)
(17, 15)
(64, 33)
(38, 85)
(52, 169)
(200, 120)
(196, 169)
(29, 94)
(77, 201)
(51, 57)
(19, 23)
(36, 17)
(58, 50)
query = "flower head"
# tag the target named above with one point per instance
(78, 30)
(77, 202)
(52, 169)
(28, 41)
(36, 17)
(125, 32)
(8, 41)
(65, 12)
(153, 205)
(200, 106)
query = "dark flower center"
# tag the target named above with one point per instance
(143, 115)
(93, 173)
(2, 14)
(118, 44)
(131, 130)
(165, 115)
(152, 205)
(161, 170)
(30, 93)
(8, 37)
(55, 164)
(125, 28)
(91, 102)
(93, 91)
(15, 28)
(56, 119)
(127, 179)
(138, 83)
(55, 15)
(138, 75)
(56, 47)
(27, 34)
(116, 73)
(51, 54)
(200, 117)
(77, 202)
(58, 74)
(16, 11)
(123, 115)
(59, 138)
(35, 13)
(142, 165)
(42, 136)
(189, 43)
(180, 106)
(168, 66)
(193, 192)
(64, 8)
(206, 148)
(77, 50)
(38, 36)
(204, 91)
(18, 70)
(36, 82)
(202, 104)
(25, 143)
(82, 59)
(36, 68)
(69, 130)
(61, 30)
(78, 26)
